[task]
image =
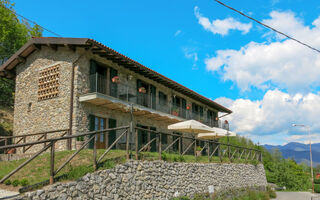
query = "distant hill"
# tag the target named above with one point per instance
(298, 151)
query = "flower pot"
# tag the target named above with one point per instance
(12, 151)
(142, 90)
(175, 113)
(198, 153)
(79, 144)
(116, 79)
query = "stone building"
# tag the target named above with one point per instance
(73, 85)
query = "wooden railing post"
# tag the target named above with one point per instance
(208, 152)
(95, 152)
(51, 181)
(149, 137)
(195, 147)
(179, 146)
(160, 146)
(45, 137)
(137, 146)
(219, 152)
(24, 141)
(127, 142)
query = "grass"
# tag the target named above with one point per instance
(38, 169)
(246, 195)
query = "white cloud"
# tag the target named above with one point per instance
(223, 26)
(282, 63)
(178, 32)
(191, 54)
(315, 138)
(272, 117)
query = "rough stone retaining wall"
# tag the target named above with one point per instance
(155, 180)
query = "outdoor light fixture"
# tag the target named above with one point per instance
(308, 127)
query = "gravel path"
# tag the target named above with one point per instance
(4, 194)
(296, 196)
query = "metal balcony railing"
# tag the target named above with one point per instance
(143, 97)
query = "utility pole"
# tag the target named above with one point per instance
(311, 165)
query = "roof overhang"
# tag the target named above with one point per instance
(8, 68)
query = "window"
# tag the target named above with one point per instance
(211, 118)
(162, 99)
(48, 83)
(179, 106)
(164, 139)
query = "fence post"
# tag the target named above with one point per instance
(219, 152)
(24, 141)
(149, 137)
(127, 143)
(179, 145)
(45, 137)
(208, 152)
(52, 162)
(160, 146)
(229, 155)
(137, 146)
(95, 152)
(195, 147)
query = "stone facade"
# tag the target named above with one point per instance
(34, 116)
(155, 180)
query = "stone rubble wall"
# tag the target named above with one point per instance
(155, 180)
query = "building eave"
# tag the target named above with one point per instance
(106, 52)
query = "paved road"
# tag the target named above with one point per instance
(296, 196)
(7, 194)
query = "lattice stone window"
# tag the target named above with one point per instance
(48, 86)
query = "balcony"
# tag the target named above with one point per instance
(119, 96)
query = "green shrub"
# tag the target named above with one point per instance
(271, 192)
(78, 171)
(317, 188)
(181, 198)
(7, 182)
(164, 157)
(175, 159)
(15, 183)
(316, 181)
(109, 164)
(182, 159)
(24, 182)
(204, 196)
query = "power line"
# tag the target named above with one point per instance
(14, 12)
(267, 26)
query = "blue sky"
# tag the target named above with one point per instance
(213, 51)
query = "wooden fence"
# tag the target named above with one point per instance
(212, 148)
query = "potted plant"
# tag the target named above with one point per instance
(12, 151)
(175, 112)
(115, 79)
(198, 151)
(79, 142)
(142, 90)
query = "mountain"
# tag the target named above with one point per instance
(298, 151)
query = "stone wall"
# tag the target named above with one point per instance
(32, 115)
(155, 180)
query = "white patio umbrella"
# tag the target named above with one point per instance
(190, 126)
(216, 133)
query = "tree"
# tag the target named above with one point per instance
(14, 33)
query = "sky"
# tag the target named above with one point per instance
(268, 81)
